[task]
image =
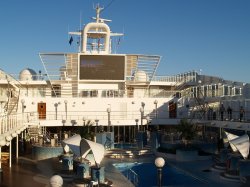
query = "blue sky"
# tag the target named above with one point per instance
(211, 35)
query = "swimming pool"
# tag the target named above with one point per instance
(147, 175)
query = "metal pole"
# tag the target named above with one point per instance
(108, 121)
(141, 118)
(159, 176)
(66, 109)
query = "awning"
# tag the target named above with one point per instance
(242, 144)
(230, 137)
(239, 143)
(97, 149)
(74, 144)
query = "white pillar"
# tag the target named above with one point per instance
(10, 155)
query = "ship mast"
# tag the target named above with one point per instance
(96, 36)
(98, 11)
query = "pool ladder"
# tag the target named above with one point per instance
(132, 177)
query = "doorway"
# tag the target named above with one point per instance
(41, 108)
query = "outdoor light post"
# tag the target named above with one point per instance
(147, 118)
(84, 123)
(136, 122)
(56, 105)
(109, 122)
(142, 105)
(159, 163)
(142, 112)
(136, 129)
(156, 115)
(66, 108)
(83, 119)
(96, 121)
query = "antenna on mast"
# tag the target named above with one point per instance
(98, 11)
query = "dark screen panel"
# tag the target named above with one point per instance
(102, 67)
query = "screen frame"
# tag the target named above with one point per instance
(102, 80)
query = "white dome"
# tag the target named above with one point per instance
(27, 75)
(141, 76)
(159, 162)
(56, 181)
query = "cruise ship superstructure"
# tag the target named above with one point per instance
(119, 92)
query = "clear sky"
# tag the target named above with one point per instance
(211, 35)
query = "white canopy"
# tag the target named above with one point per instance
(242, 144)
(97, 149)
(230, 137)
(74, 144)
(81, 147)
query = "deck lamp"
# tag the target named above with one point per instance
(156, 102)
(148, 119)
(83, 119)
(56, 181)
(109, 122)
(142, 112)
(66, 110)
(136, 122)
(96, 121)
(56, 105)
(143, 104)
(159, 163)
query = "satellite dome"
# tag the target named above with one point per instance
(141, 76)
(27, 75)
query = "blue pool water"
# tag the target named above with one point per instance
(147, 175)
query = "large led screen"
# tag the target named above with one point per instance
(102, 67)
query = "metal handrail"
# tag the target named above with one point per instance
(135, 178)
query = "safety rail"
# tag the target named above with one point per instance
(10, 122)
(133, 177)
(93, 115)
(187, 76)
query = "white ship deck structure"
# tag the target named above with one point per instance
(116, 91)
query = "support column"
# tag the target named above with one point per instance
(135, 127)
(17, 147)
(118, 134)
(10, 153)
(129, 134)
(124, 134)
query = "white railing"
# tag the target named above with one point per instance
(188, 76)
(10, 122)
(133, 177)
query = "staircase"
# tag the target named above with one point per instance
(13, 94)
(12, 105)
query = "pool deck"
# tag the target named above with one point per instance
(29, 173)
